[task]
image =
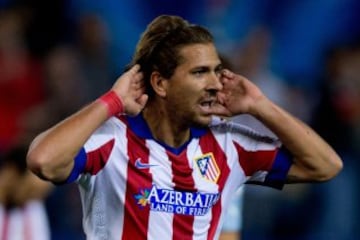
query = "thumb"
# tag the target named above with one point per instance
(220, 110)
(142, 100)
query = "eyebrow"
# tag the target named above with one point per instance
(207, 68)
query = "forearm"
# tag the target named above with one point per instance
(314, 159)
(51, 154)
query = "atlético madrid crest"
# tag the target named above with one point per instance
(208, 168)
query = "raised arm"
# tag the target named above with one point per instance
(51, 154)
(314, 159)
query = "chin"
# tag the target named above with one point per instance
(203, 121)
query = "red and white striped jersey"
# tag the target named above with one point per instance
(134, 187)
(29, 222)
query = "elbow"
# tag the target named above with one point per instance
(36, 163)
(330, 170)
(39, 163)
(337, 166)
(48, 161)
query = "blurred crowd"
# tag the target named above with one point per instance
(56, 56)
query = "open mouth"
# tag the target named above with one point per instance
(207, 105)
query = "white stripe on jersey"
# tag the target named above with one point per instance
(162, 177)
(103, 215)
(201, 222)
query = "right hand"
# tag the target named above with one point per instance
(130, 88)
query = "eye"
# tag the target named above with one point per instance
(199, 72)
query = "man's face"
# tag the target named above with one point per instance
(192, 90)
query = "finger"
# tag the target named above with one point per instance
(134, 69)
(138, 92)
(138, 88)
(227, 73)
(138, 83)
(137, 77)
(143, 99)
(220, 96)
(140, 103)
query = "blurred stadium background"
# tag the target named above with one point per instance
(55, 56)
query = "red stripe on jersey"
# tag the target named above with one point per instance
(183, 180)
(136, 218)
(254, 161)
(122, 118)
(97, 159)
(209, 144)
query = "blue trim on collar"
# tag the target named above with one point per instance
(140, 127)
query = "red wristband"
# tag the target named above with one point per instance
(113, 102)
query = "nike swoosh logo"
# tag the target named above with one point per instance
(141, 165)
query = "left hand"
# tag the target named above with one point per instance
(238, 96)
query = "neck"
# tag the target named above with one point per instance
(163, 128)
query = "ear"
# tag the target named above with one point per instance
(159, 84)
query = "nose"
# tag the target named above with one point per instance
(214, 83)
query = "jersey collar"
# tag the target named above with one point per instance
(140, 127)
